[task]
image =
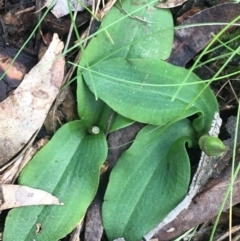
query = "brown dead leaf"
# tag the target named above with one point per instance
(18, 196)
(187, 15)
(190, 40)
(23, 112)
(170, 3)
(14, 74)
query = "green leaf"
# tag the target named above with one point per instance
(68, 167)
(134, 38)
(123, 35)
(133, 89)
(96, 112)
(118, 122)
(148, 181)
(89, 108)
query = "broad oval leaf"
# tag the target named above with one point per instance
(133, 88)
(148, 181)
(147, 33)
(131, 30)
(68, 167)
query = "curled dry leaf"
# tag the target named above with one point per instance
(23, 112)
(17, 196)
